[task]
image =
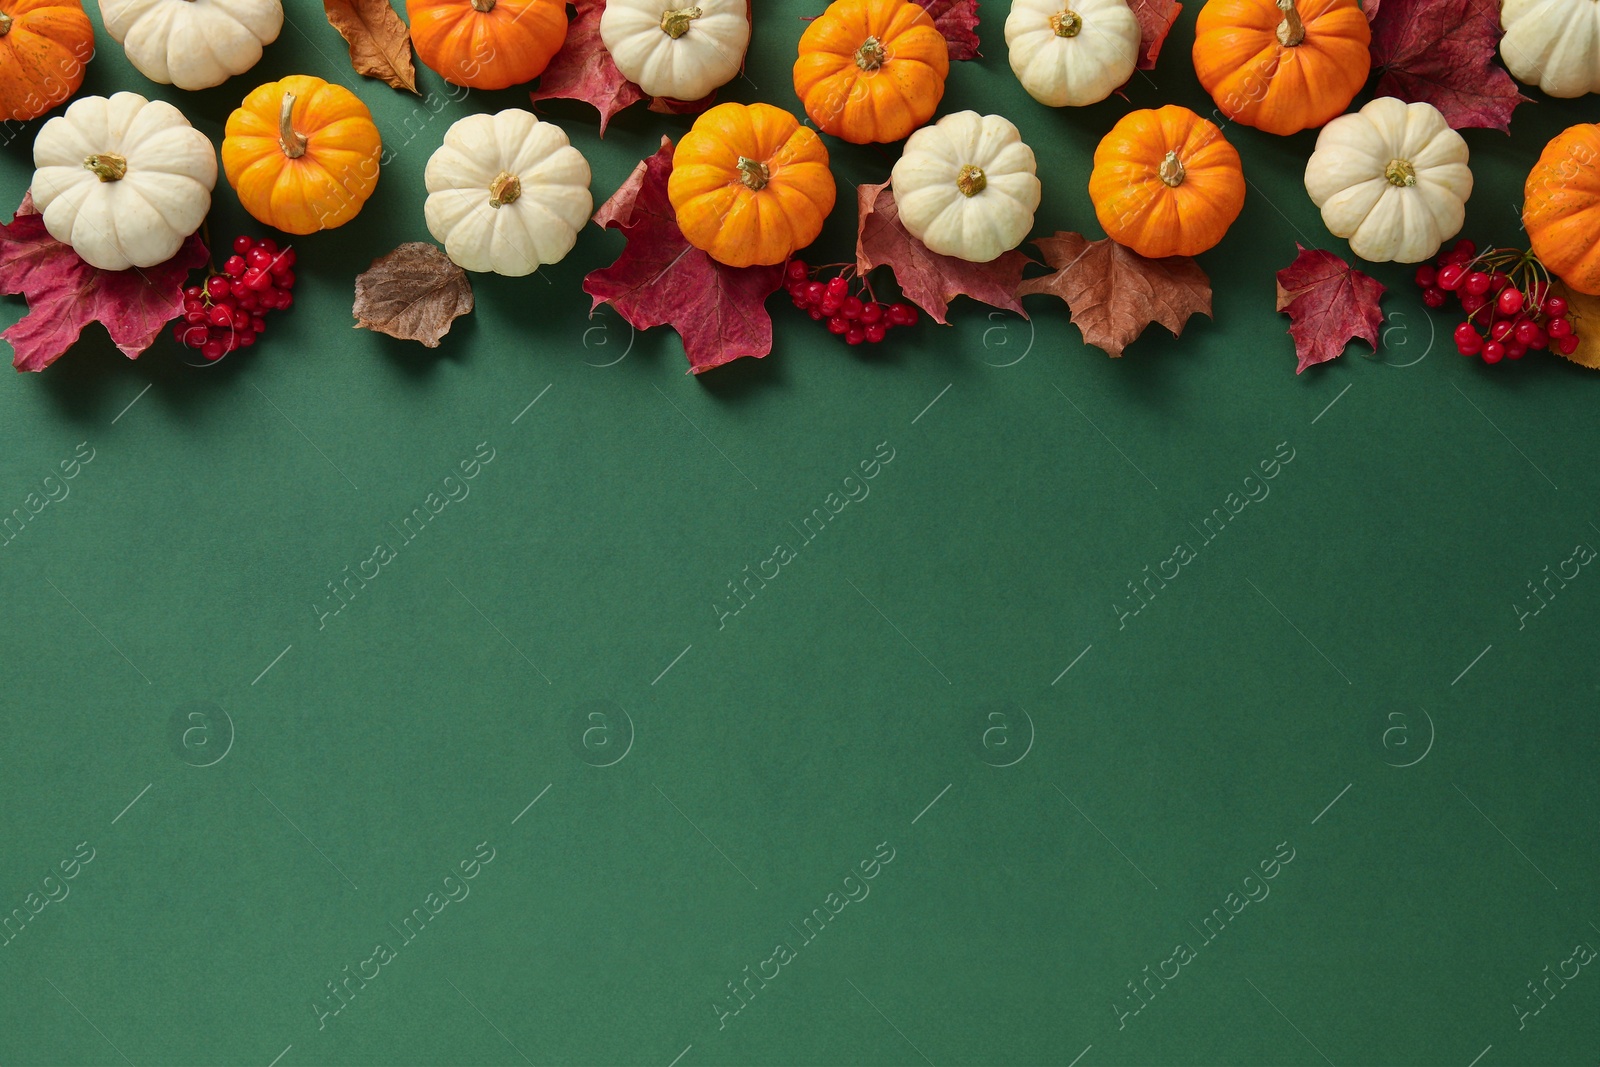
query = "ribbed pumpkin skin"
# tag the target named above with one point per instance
(1274, 87)
(721, 214)
(509, 44)
(1138, 209)
(1561, 207)
(321, 189)
(42, 55)
(877, 105)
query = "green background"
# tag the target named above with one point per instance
(1360, 617)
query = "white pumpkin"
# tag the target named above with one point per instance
(677, 48)
(1554, 44)
(506, 193)
(1072, 52)
(967, 186)
(193, 44)
(1392, 178)
(122, 180)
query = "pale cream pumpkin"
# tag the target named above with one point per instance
(967, 186)
(676, 48)
(506, 193)
(1072, 52)
(1554, 44)
(1392, 178)
(193, 44)
(122, 180)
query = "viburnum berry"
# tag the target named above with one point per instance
(1494, 352)
(1560, 326)
(1450, 277)
(224, 314)
(1567, 345)
(1509, 301)
(1434, 297)
(1554, 306)
(1476, 283)
(1426, 276)
(858, 317)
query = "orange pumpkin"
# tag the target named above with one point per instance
(1166, 183)
(1561, 207)
(487, 44)
(871, 70)
(302, 154)
(1282, 65)
(750, 185)
(44, 45)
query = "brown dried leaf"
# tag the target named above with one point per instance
(1114, 293)
(380, 44)
(413, 293)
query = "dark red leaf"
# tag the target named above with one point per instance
(1155, 22)
(928, 279)
(1114, 293)
(65, 294)
(1442, 52)
(958, 21)
(583, 69)
(662, 280)
(1329, 303)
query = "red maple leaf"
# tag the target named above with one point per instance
(1442, 52)
(958, 21)
(1155, 22)
(1329, 303)
(926, 278)
(1114, 293)
(65, 294)
(662, 280)
(583, 69)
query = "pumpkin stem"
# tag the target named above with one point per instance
(754, 173)
(483, 7)
(505, 189)
(5, 23)
(971, 180)
(107, 166)
(290, 140)
(1171, 170)
(675, 22)
(1291, 31)
(1400, 172)
(1066, 23)
(871, 54)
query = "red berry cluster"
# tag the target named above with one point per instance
(228, 311)
(1506, 295)
(848, 316)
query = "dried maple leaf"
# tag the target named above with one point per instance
(958, 21)
(1370, 9)
(413, 293)
(926, 278)
(1329, 303)
(380, 44)
(1155, 22)
(662, 280)
(1442, 52)
(583, 69)
(65, 294)
(1114, 293)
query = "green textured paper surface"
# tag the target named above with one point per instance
(961, 615)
